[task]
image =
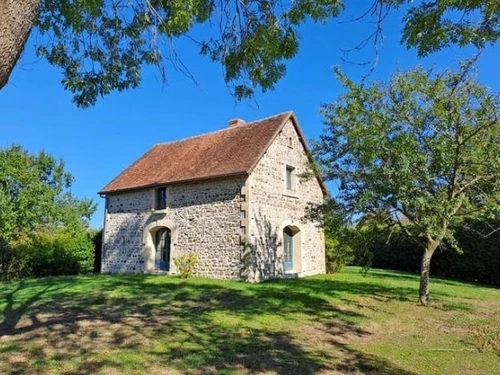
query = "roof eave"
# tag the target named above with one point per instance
(169, 183)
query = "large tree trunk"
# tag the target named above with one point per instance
(16, 20)
(423, 296)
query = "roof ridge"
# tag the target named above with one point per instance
(218, 131)
(269, 117)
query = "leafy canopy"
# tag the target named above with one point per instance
(34, 195)
(423, 149)
(430, 26)
(102, 45)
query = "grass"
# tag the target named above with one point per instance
(346, 323)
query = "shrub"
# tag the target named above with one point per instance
(96, 236)
(338, 254)
(487, 338)
(47, 253)
(185, 264)
(15, 262)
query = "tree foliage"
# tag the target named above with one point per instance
(34, 195)
(430, 26)
(43, 226)
(102, 45)
(421, 152)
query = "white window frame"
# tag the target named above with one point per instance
(290, 171)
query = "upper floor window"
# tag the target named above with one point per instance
(160, 199)
(290, 142)
(290, 178)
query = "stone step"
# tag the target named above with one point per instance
(158, 272)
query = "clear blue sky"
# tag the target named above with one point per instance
(99, 142)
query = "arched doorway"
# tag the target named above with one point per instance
(162, 242)
(159, 239)
(291, 249)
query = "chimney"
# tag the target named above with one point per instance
(236, 122)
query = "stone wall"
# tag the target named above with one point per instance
(204, 218)
(234, 225)
(272, 208)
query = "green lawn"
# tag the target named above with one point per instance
(336, 324)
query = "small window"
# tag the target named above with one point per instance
(290, 178)
(290, 142)
(161, 199)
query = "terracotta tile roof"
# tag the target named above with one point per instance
(228, 152)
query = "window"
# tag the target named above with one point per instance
(288, 249)
(290, 142)
(292, 258)
(162, 249)
(290, 178)
(160, 199)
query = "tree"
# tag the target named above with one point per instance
(430, 26)
(102, 45)
(44, 228)
(16, 21)
(34, 195)
(421, 152)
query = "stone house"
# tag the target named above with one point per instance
(234, 197)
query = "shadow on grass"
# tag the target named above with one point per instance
(415, 276)
(334, 288)
(450, 306)
(145, 324)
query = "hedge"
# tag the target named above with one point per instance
(47, 254)
(479, 262)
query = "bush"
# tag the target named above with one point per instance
(487, 338)
(338, 254)
(15, 263)
(47, 254)
(185, 264)
(96, 236)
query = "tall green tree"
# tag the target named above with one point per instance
(102, 45)
(35, 195)
(421, 152)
